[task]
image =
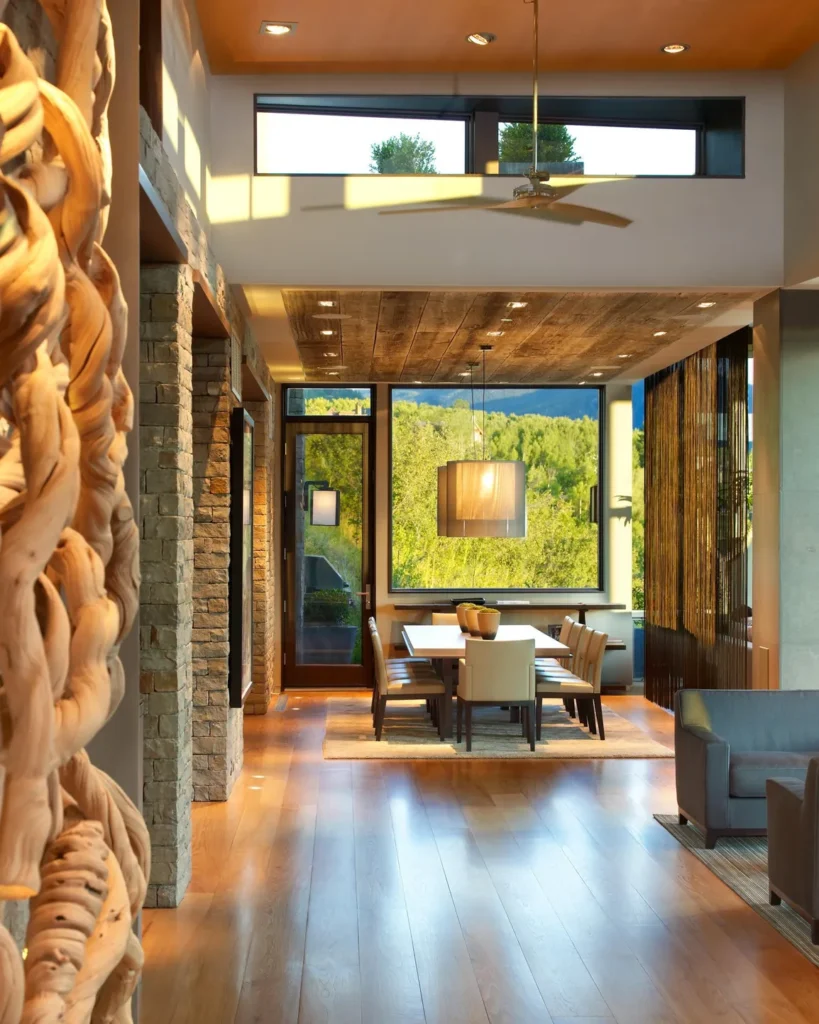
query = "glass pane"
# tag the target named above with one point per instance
(329, 558)
(289, 143)
(329, 401)
(555, 431)
(598, 149)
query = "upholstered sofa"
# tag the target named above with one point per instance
(729, 743)
(793, 845)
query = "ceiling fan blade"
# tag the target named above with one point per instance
(324, 206)
(439, 206)
(568, 212)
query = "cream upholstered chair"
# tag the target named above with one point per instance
(444, 619)
(582, 687)
(564, 638)
(500, 673)
(577, 640)
(405, 681)
(395, 665)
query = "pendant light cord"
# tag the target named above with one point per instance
(535, 5)
(472, 403)
(483, 429)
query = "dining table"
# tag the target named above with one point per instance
(442, 643)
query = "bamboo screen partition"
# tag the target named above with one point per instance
(696, 532)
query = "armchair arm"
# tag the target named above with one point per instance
(702, 762)
(789, 861)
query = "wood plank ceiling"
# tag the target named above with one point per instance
(430, 337)
(430, 36)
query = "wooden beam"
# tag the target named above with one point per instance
(253, 390)
(150, 61)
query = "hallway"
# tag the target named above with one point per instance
(498, 891)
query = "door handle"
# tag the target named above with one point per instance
(366, 594)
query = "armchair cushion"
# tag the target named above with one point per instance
(749, 771)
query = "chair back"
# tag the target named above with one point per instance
(593, 669)
(580, 652)
(444, 619)
(565, 630)
(498, 670)
(381, 680)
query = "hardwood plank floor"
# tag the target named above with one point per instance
(479, 892)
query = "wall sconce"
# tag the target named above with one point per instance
(325, 503)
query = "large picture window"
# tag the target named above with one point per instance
(554, 431)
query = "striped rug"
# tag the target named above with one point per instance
(742, 864)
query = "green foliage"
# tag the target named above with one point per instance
(328, 607)
(638, 520)
(554, 144)
(403, 154)
(561, 547)
(321, 406)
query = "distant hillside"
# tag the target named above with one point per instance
(573, 403)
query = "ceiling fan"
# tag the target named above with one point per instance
(542, 197)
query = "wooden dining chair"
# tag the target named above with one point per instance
(408, 682)
(497, 673)
(583, 688)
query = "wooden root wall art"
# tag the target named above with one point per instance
(71, 842)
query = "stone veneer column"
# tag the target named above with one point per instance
(217, 728)
(166, 560)
(264, 610)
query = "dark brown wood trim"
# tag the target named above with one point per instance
(159, 241)
(208, 319)
(150, 61)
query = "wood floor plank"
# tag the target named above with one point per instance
(457, 893)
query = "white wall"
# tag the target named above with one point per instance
(185, 100)
(705, 233)
(802, 169)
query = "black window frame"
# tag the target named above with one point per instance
(601, 476)
(719, 121)
(322, 386)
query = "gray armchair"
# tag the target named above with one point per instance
(729, 743)
(793, 845)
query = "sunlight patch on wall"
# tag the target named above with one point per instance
(373, 191)
(269, 197)
(170, 110)
(193, 159)
(234, 198)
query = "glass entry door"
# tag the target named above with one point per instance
(328, 554)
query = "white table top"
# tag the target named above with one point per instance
(449, 641)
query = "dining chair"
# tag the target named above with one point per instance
(408, 682)
(583, 688)
(397, 666)
(564, 638)
(444, 619)
(497, 673)
(577, 641)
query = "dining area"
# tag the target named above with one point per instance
(466, 670)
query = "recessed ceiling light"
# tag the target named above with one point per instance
(481, 38)
(327, 334)
(705, 305)
(660, 334)
(676, 47)
(626, 355)
(464, 373)
(417, 382)
(581, 382)
(494, 334)
(597, 373)
(326, 303)
(517, 305)
(332, 373)
(329, 354)
(277, 28)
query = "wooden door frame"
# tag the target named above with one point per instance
(316, 676)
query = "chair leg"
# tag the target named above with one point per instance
(814, 932)
(773, 899)
(524, 724)
(710, 839)
(590, 715)
(539, 714)
(682, 819)
(459, 716)
(379, 722)
(581, 712)
(468, 727)
(571, 707)
(441, 719)
(372, 701)
(598, 707)
(530, 721)
(435, 711)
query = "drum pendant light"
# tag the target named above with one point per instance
(482, 497)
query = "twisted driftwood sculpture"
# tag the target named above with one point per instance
(71, 842)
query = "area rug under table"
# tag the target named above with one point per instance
(742, 864)
(408, 735)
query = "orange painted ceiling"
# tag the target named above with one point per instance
(429, 35)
